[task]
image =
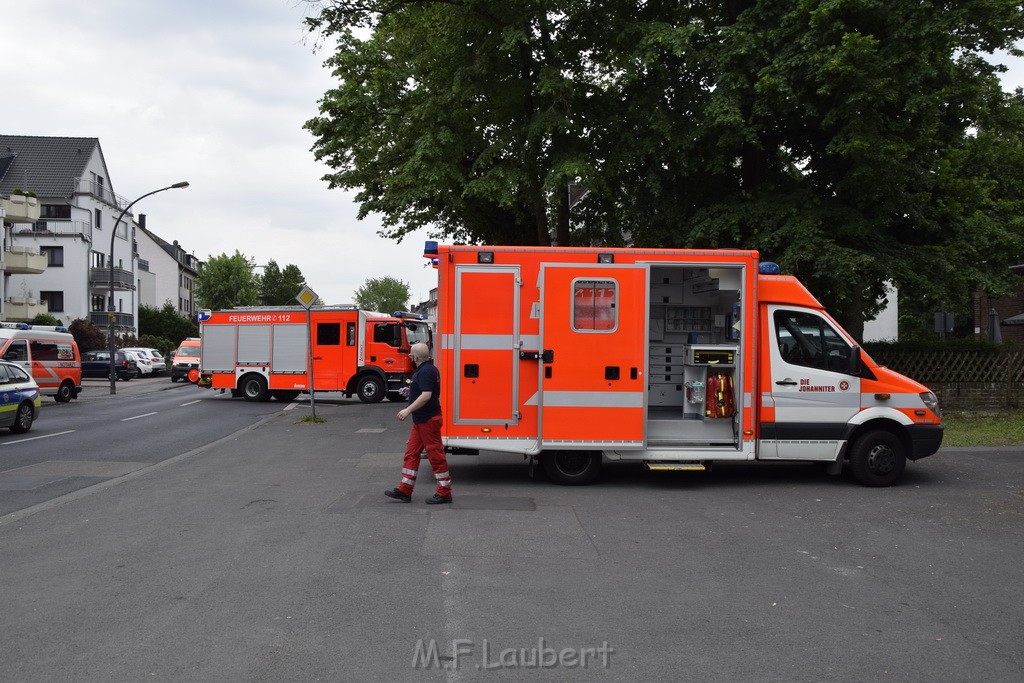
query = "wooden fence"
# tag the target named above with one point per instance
(964, 380)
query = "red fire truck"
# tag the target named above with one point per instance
(670, 358)
(263, 352)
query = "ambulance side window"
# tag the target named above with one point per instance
(42, 350)
(328, 334)
(17, 351)
(594, 306)
(807, 340)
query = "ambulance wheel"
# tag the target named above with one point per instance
(23, 418)
(370, 389)
(65, 392)
(571, 468)
(254, 388)
(877, 459)
(285, 395)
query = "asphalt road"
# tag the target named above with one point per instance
(273, 555)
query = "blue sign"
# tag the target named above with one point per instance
(204, 314)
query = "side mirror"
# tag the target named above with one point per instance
(856, 363)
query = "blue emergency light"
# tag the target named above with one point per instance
(769, 268)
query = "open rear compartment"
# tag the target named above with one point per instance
(694, 389)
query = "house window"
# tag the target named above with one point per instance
(54, 301)
(56, 211)
(54, 256)
(98, 259)
(98, 303)
(99, 219)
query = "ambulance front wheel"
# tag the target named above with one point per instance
(571, 468)
(370, 389)
(254, 388)
(877, 459)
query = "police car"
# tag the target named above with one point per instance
(19, 398)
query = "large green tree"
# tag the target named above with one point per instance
(280, 287)
(385, 294)
(227, 281)
(854, 141)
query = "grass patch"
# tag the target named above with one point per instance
(966, 429)
(313, 420)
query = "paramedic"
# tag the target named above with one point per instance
(425, 409)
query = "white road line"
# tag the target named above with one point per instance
(137, 417)
(35, 438)
(198, 400)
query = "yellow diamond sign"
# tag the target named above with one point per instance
(307, 297)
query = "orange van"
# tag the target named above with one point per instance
(48, 353)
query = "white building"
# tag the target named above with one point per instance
(78, 208)
(170, 269)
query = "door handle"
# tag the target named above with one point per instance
(786, 382)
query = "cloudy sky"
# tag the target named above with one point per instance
(214, 92)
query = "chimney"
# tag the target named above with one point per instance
(142, 221)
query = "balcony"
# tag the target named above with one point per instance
(20, 209)
(20, 309)
(23, 261)
(101, 192)
(51, 227)
(122, 321)
(124, 280)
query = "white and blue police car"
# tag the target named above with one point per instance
(19, 398)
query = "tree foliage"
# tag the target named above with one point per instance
(385, 294)
(854, 141)
(164, 328)
(87, 335)
(227, 281)
(280, 287)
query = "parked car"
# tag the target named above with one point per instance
(19, 398)
(96, 364)
(156, 358)
(143, 366)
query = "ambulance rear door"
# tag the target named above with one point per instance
(593, 359)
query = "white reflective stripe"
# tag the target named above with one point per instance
(406, 470)
(443, 475)
(444, 484)
(530, 341)
(486, 342)
(406, 480)
(593, 399)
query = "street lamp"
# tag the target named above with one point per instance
(110, 306)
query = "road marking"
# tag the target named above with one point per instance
(198, 400)
(137, 417)
(36, 438)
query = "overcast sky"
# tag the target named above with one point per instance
(214, 92)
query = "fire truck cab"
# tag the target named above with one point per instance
(670, 358)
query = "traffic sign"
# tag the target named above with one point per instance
(307, 297)
(203, 314)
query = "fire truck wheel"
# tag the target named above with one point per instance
(370, 389)
(572, 468)
(65, 392)
(285, 395)
(254, 388)
(877, 459)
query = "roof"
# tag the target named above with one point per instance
(48, 166)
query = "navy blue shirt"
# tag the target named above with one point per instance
(426, 378)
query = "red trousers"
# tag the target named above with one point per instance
(426, 435)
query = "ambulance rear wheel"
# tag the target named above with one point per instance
(65, 392)
(370, 389)
(571, 468)
(254, 388)
(877, 459)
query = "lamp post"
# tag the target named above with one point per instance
(111, 343)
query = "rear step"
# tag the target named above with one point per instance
(676, 466)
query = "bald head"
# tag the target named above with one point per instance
(419, 352)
